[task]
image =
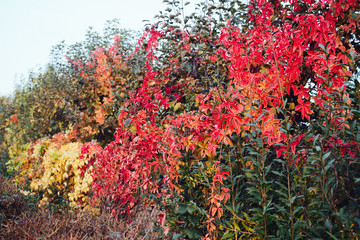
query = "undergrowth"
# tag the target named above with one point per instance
(21, 218)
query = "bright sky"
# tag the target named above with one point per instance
(29, 28)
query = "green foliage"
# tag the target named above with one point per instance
(6, 113)
(57, 98)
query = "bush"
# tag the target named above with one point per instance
(238, 132)
(57, 170)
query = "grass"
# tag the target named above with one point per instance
(21, 218)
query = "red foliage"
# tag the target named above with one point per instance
(266, 65)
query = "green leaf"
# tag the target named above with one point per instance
(181, 209)
(278, 173)
(194, 220)
(188, 67)
(299, 236)
(281, 193)
(332, 236)
(228, 235)
(329, 164)
(357, 220)
(352, 54)
(298, 209)
(177, 235)
(190, 209)
(326, 155)
(192, 233)
(348, 54)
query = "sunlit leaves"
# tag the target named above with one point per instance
(57, 168)
(221, 125)
(304, 108)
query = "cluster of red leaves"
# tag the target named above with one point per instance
(265, 66)
(279, 52)
(124, 169)
(14, 119)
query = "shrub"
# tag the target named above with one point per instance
(57, 170)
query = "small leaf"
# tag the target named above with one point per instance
(228, 235)
(352, 54)
(177, 106)
(332, 236)
(236, 226)
(326, 155)
(192, 233)
(181, 209)
(190, 209)
(177, 235)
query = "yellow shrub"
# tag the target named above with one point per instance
(55, 169)
(62, 173)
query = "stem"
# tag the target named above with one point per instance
(278, 74)
(289, 184)
(290, 204)
(263, 189)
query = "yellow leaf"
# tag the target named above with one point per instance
(247, 228)
(236, 226)
(263, 70)
(133, 129)
(291, 106)
(177, 106)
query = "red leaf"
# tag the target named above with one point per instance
(304, 107)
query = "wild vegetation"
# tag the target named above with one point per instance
(235, 122)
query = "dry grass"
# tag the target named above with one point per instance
(19, 220)
(12, 203)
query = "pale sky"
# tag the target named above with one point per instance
(29, 28)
